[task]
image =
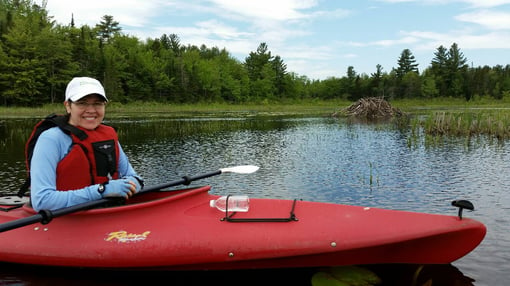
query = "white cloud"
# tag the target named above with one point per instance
(472, 3)
(429, 41)
(350, 56)
(305, 53)
(486, 3)
(337, 13)
(221, 30)
(279, 10)
(127, 12)
(489, 19)
(484, 41)
(406, 40)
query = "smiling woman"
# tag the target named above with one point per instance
(82, 93)
(82, 160)
(87, 113)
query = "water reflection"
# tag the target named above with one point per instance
(319, 159)
(390, 275)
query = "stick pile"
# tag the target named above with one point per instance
(371, 108)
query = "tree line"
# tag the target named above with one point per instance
(39, 56)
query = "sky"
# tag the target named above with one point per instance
(318, 39)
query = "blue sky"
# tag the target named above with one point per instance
(317, 39)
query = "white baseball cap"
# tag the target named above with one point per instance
(80, 87)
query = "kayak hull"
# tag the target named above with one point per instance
(177, 230)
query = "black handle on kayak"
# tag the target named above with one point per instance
(463, 204)
(45, 216)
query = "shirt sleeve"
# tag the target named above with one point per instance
(51, 147)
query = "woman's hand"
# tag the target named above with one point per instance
(124, 188)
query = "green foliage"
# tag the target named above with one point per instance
(39, 57)
(429, 87)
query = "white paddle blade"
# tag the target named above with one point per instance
(246, 169)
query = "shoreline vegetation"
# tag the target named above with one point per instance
(38, 57)
(435, 118)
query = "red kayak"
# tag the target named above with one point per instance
(178, 230)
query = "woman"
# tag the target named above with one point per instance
(67, 169)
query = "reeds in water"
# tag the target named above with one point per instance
(492, 123)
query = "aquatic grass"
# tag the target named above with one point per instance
(373, 177)
(15, 132)
(494, 123)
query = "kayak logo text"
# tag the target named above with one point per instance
(123, 236)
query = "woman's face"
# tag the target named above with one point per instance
(88, 112)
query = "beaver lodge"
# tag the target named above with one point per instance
(370, 108)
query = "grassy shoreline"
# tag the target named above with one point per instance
(147, 108)
(437, 117)
(309, 107)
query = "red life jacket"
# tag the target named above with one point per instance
(90, 160)
(93, 160)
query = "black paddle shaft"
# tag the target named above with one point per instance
(186, 180)
(45, 216)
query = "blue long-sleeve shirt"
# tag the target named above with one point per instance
(51, 147)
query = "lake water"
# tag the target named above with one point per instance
(318, 159)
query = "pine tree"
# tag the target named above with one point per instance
(439, 70)
(406, 64)
(107, 28)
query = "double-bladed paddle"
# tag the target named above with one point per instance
(45, 216)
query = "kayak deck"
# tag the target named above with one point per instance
(178, 230)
